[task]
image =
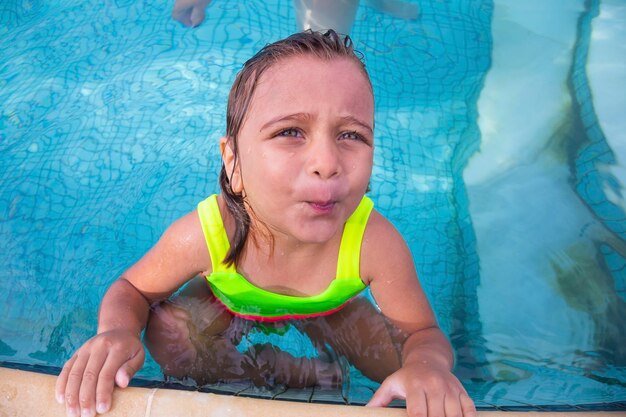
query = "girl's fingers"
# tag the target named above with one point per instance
(131, 363)
(467, 405)
(61, 382)
(417, 405)
(436, 405)
(452, 405)
(72, 387)
(104, 390)
(91, 375)
(86, 381)
(119, 367)
(381, 398)
(106, 383)
(384, 395)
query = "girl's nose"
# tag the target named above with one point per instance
(324, 159)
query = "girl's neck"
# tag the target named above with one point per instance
(276, 262)
(275, 247)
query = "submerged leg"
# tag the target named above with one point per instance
(193, 335)
(361, 334)
(179, 328)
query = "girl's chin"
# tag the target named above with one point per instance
(316, 234)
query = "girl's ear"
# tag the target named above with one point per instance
(231, 164)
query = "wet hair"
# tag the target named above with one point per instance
(325, 46)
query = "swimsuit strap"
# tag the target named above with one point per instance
(215, 234)
(349, 257)
(350, 250)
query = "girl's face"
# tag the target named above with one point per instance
(306, 147)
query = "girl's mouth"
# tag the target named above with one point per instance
(322, 207)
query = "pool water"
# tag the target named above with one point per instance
(500, 156)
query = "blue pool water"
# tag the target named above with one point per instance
(500, 156)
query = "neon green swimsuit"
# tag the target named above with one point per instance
(243, 299)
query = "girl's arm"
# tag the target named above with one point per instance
(116, 353)
(425, 379)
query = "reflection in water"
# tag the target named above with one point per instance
(589, 154)
(539, 201)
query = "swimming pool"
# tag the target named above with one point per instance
(500, 157)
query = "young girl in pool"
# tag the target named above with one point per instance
(292, 238)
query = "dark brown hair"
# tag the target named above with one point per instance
(326, 46)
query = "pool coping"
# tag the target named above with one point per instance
(26, 393)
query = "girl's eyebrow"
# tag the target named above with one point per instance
(354, 120)
(307, 116)
(289, 117)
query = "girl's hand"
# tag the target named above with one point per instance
(428, 392)
(86, 382)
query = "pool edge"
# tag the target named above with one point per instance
(25, 393)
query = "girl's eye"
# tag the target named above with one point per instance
(291, 132)
(352, 136)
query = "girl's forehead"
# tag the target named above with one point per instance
(301, 64)
(301, 79)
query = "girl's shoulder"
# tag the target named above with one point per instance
(179, 255)
(383, 249)
(185, 238)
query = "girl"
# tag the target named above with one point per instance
(290, 239)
